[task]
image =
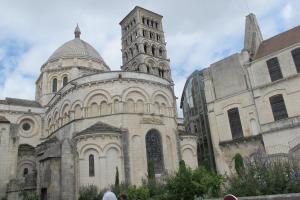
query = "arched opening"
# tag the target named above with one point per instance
(136, 48)
(65, 80)
(91, 165)
(125, 56)
(145, 48)
(160, 52)
(148, 69)
(25, 172)
(131, 52)
(154, 150)
(153, 50)
(54, 85)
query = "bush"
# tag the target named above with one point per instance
(262, 177)
(89, 192)
(29, 195)
(138, 193)
(188, 184)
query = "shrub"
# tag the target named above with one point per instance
(263, 177)
(29, 195)
(89, 192)
(138, 193)
(188, 184)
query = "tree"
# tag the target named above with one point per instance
(117, 181)
(239, 164)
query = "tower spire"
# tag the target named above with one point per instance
(77, 32)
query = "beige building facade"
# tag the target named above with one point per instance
(87, 121)
(253, 97)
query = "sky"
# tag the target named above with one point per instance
(198, 33)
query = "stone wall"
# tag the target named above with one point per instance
(293, 196)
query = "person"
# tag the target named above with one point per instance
(230, 197)
(123, 197)
(109, 196)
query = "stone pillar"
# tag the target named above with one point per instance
(67, 171)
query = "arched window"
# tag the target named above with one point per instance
(145, 48)
(160, 52)
(131, 52)
(91, 165)
(25, 171)
(125, 56)
(153, 50)
(54, 85)
(148, 69)
(154, 150)
(137, 48)
(65, 80)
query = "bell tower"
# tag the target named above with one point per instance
(143, 44)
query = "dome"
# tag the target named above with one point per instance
(76, 48)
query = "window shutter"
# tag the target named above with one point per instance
(235, 123)
(296, 57)
(274, 69)
(278, 107)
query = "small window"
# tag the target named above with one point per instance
(145, 48)
(274, 69)
(25, 171)
(278, 107)
(144, 33)
(235, 123)
(143, 20)
(296, 57)
(137, 48)
(91, 166)
(153, 50)
(160, 52)
(54, 85)
(148, 69)
(158, 37)
(65, 81)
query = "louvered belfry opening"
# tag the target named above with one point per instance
(235, 123)
(278, 107)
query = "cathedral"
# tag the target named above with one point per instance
(87, 121)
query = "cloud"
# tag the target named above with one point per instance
(197, 32)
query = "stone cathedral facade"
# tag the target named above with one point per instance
(87, 120)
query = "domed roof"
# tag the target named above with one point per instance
(76, 48)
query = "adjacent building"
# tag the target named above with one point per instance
(252, 98)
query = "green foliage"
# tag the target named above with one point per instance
(188, 184)
(239, 164)
(29, 195)
(265, 178)
(89, 192)
(119, 189)
(151, 171)
(138, 193)
(117, 181)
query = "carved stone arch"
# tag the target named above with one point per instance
(87, 147)
(112, 145)
(191, 147)
(65, 112)
(97, 92)
(163, 95)
(104, 108)
(151, 62)
(116, 108)
(135, 89)
(75, 103)
(63, 105)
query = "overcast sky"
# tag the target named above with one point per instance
(198, 32)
